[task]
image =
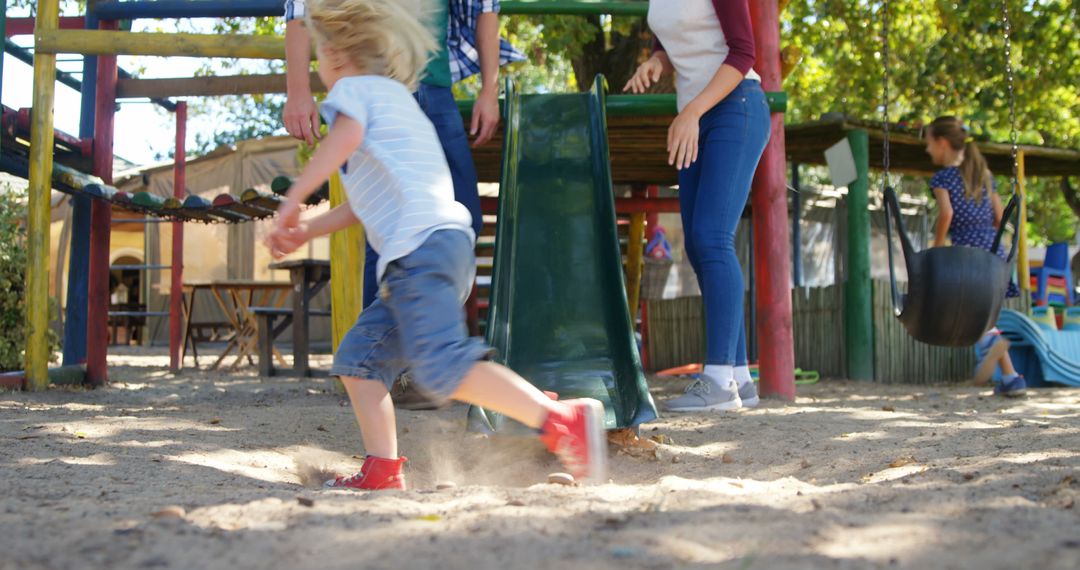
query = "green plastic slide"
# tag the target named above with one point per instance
(558, 313)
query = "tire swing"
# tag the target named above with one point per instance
(955, 293)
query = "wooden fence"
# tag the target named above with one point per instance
(677, 336)
(677, 331)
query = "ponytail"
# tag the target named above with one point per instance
(975, 172)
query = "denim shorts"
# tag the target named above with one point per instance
(417, 322)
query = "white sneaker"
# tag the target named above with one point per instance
(748, 395)
(704, 396)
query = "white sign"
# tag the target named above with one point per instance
(841, 163)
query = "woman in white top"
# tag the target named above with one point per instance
(715, 142)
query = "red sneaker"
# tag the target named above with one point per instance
(577, 438)
(376, 474)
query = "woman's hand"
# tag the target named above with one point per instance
(682, 139)
(646, 74)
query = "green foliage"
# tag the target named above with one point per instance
(947, 57)
(13, 261)
(240, 117)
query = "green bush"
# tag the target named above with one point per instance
(13, 280)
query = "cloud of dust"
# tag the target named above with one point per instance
(313, 468)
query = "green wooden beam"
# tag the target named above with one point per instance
(858, 300)
(645, 105)
(576, 7)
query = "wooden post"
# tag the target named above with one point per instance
(1023, 269)
(635, 258)
(41, 163)
(3, 33)
(796, 227)
(301, 306)
(97, 341)
(75, 311)
(750, 327)
(769, 202)
(858, 303)
(176, 289)
(347, 269)
(652, 223)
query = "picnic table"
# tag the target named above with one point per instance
(307, 278)
(237, 298)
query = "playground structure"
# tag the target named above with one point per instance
(635, 123)
(101, 38)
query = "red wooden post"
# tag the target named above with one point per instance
(176, 291)
(771, 242)
(97, 338)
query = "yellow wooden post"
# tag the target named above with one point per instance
(347, 267)
(41, 164)
(1023, 272)
(104, 42)
(635, 258)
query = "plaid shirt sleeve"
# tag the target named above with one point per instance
(461, 38)
(295, 9)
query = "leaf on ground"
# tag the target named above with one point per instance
(628, 442)
(902, 461)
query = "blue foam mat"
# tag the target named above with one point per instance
(1043, 355)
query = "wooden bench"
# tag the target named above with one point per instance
(270, 328)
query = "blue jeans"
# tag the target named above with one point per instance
(418, 321)
(712, 196)
(439, 106)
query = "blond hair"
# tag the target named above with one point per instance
(973, 169)
(381, 37)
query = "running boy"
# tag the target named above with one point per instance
(398, 184)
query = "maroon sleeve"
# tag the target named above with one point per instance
(656, 45)
(734, 18)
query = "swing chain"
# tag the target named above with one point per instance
(897, 298)
(1013, 136)
(885, 88)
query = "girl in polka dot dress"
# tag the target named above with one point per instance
(970, 212)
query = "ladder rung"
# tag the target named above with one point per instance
(138, 313)
(139, 221)
(139, 267)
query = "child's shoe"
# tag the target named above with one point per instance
(1011, 387)
(376, 474)
(578, 439)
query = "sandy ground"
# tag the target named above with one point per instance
(207, 470)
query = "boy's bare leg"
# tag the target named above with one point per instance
(500, 389)
(375, 413)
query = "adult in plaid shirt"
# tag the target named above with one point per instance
(473, 46)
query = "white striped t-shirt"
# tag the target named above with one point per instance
(398, 183)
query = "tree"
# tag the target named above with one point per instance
(947, 58)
